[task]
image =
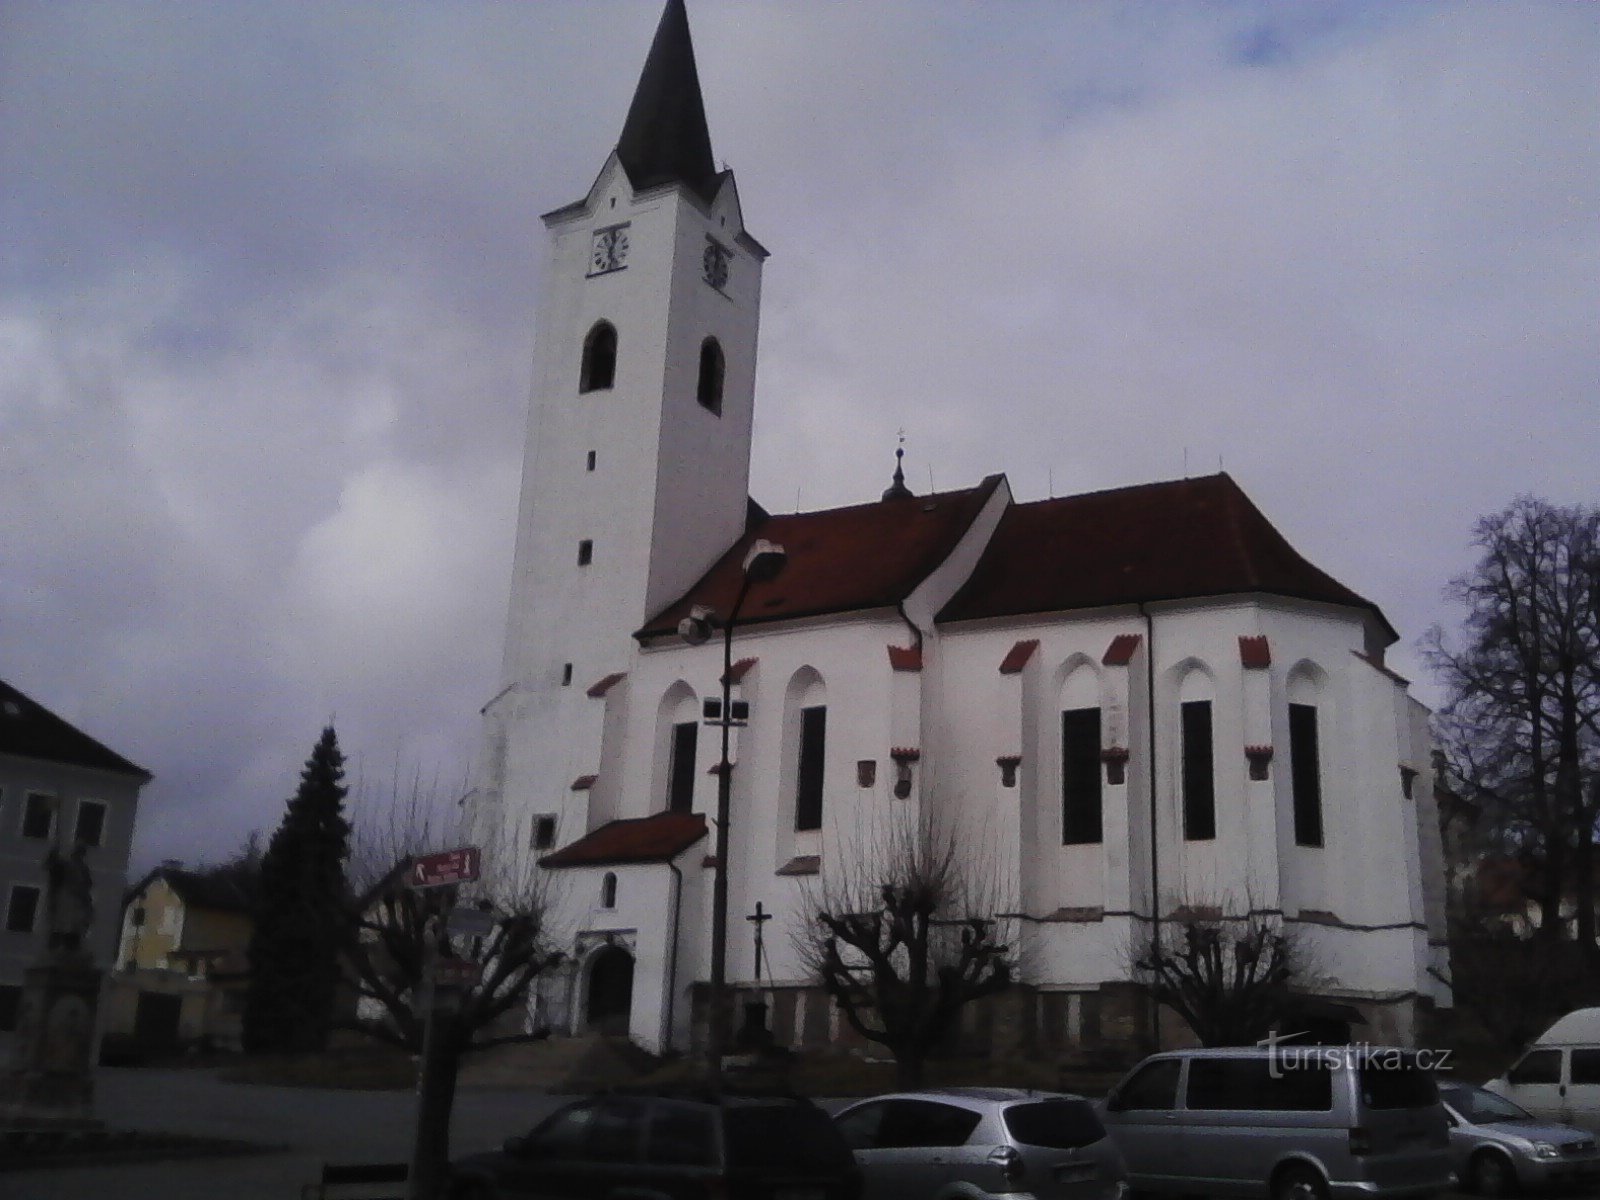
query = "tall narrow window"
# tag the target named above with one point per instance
(1080, 776)
(585, 552)
(608, 891)
(91, 822)
(1199, 783)
(38, 815)
(543, 834)
(1306, 771)
(680, 777)
(808, 791)
(712, 366)
(599, 358)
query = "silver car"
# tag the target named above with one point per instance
(977, 1142)
(1500, 1147)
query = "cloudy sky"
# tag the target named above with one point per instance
(268, 271)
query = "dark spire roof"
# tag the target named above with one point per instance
(898, 489)
(665, 139)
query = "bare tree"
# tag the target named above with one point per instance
(904, 937)
(394, 934)
(1229, 975)
(1522, 725)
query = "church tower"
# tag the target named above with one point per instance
(636, 468)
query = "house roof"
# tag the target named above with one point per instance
(214, 890)
(30, 730)
(657, 838)
(665, 138)
(1160, 541)
(839, 560)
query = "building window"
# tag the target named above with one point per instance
(1305, 770)
(91, 822)
(38, 816)
(712, 367)
(808, 789)
(10, 1006)
(566, 674)
(1080, 776)
(680, 775)
(544, 831)
(608, 891)
(137, 917)
(22, 909)
(591, 461)
(599, 358)
(1199, 783)
(585, 552)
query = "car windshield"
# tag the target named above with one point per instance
(1479, 1107)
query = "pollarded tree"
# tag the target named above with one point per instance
(294, 950)
(904, 939)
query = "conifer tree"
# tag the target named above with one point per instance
(294, 951)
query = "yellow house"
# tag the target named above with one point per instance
(182, 964)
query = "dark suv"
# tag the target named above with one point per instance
(670, 1146)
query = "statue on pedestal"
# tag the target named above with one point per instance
(70, 901)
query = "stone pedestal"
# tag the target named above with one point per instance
(50, 1081)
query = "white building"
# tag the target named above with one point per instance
(1031, 672)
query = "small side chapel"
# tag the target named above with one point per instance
(1136, 700)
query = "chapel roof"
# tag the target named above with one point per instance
(30, 730)
(1181, 539)
(665, 138)
(839, 560)
(658, 838)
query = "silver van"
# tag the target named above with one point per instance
(1558, 1077)
(1289, 1122)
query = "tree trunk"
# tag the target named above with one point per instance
(436, 1096)
(909, 1070)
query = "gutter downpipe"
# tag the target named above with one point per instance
(672, 964)
(1155, 847)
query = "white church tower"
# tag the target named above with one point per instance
(637, 463)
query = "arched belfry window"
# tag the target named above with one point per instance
(599, 358)
(712, 366)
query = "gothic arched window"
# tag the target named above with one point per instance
(712, 366)
(599, 358)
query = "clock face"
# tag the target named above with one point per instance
(609, 251)
(715, 264)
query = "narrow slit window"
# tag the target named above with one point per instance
(591, 461)
(712, 368)
(585, 552)
(566, 675)
(808, 790)
(1305, 769)
(1199, 779)
(599, 369)
(1080, 777)
(544, 832)
(680, 775)
(608, 891)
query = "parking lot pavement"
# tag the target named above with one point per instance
(314, 1126)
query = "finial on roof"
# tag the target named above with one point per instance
(898, 489)
(665, 139)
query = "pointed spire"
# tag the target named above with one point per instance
(898, 489)
(665, 139)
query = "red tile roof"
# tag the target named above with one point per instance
(1255, 653)
(657, 838)
(584, 782)
(740, 669)
(601, 687)
(839, 560)
(1159, 541)
(905, 658)
(1017, 657)
(1120, 652)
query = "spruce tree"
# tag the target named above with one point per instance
(294, 951)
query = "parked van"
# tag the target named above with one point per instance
(1290, 1122)
(1558, 1077)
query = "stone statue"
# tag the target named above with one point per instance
(71, 902)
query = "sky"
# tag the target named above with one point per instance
(268, 275)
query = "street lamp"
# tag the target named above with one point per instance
(762, 564)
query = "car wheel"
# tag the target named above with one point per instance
(1492, 1174)
(1298, 1183)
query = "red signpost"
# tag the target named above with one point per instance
(445, 868)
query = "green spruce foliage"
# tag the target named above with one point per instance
(294, 952)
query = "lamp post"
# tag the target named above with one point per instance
(763, 563)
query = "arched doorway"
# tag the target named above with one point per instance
(610, 991)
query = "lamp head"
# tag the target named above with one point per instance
(697, 627)
(765, 561)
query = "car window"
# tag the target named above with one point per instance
(915, 1124)
(1055, 1124)
(1480, 1107)
(1585, 1066)
(564, 1134)
(1154, 1085)
(859, 1127)
(681, 1135)
(1396, 1084)
(1286, 1084)
(1537, 1066)
(617, 1131)
(791, 1135)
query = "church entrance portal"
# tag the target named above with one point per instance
(610, 991)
